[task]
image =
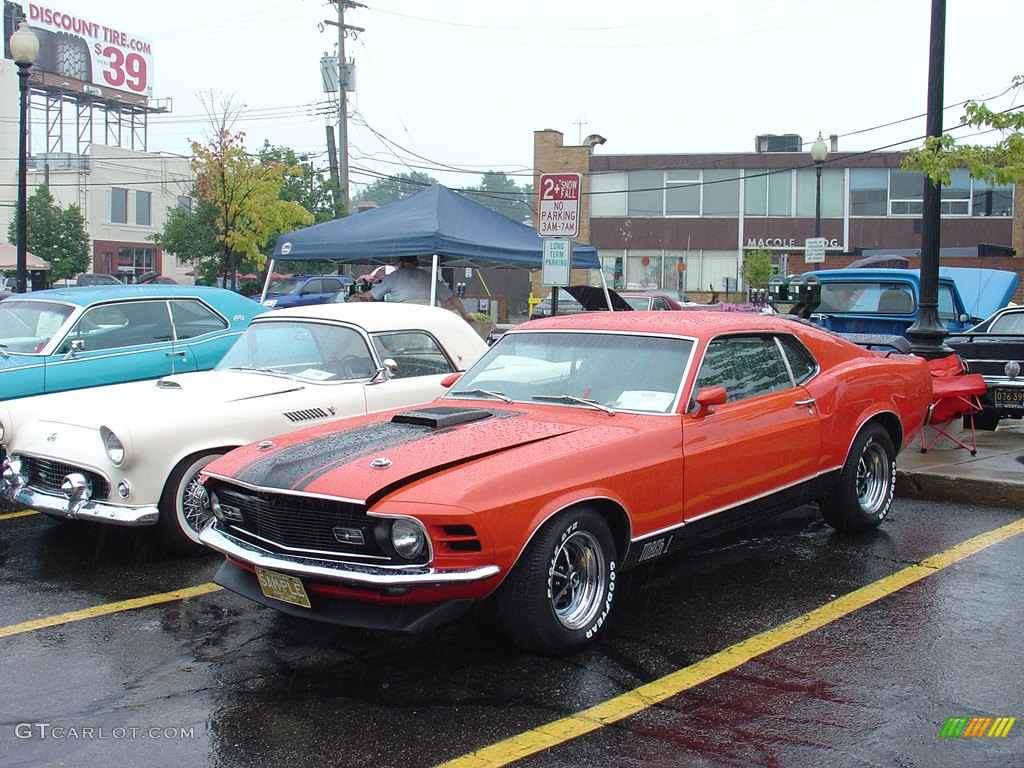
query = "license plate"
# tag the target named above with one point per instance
(281, 586)
(1009, 398)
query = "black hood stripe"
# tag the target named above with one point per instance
(298, 466)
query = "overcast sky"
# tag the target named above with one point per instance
(460, 85)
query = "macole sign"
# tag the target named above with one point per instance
(558, 221)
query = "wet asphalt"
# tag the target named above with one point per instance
(213, 680)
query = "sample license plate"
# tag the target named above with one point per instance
(281, 586)
(1009, 398)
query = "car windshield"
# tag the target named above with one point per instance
(301, 350)
(26, 326)
(637, 302)
(867, 297)
(288, 285)
(1011, 322)
(576, 369)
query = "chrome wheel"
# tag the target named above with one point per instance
(195, 504)
(576, 580)
(184, 504)
(873, 478)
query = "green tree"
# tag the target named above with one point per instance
(55, 234)
(190, 233)
(247, 198)
(312, 189)
(756, 268)
(392, 188)
(502, 195)
(1002, 163)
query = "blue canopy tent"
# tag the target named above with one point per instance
(435, 222)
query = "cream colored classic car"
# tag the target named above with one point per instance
(130, 454)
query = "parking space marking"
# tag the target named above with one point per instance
(108, 608)
(612, 711)
(23, 513)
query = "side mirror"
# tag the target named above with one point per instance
(388, 369)
(708, 397)
(74, 348)
(450, 379)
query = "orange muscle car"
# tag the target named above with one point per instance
(575, 448)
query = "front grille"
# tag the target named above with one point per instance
(48, 476)
(301, 525)
(988, 368)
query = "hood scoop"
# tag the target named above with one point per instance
(441, 417)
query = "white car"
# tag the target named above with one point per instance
(130, 454)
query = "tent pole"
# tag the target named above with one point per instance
(433, 283)
(266, 283)
(604, 285)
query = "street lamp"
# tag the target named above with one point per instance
(24, 48)
(818, 154)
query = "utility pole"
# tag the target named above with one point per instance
(343, 32)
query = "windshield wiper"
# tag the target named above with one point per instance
(273, 371)
(486, 393)
(578, 400)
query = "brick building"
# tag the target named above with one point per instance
(685, 221)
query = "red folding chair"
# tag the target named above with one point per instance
(955, 393)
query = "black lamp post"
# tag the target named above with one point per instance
(818, 154)
(927, 334)
(24, 49)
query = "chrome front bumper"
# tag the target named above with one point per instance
(75, 505)
(341, 573)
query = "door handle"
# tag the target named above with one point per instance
(181, 354)
(809, 403)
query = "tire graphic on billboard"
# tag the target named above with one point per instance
(64, 54)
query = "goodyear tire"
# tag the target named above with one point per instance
(863, 495)
(184, 505)
(558, 597)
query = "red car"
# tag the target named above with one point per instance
(577, 447)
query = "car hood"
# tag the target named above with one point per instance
(982, 290)
(180, 396)
(365, 461)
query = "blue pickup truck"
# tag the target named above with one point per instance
(885, 301)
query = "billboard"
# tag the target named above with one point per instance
(101, 57)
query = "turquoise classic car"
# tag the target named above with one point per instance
(69, 338)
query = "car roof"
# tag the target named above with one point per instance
(84, 295)
(703, 323)
(373, 316)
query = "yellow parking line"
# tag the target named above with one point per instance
(552, 734)
(103, 610)
(23, 513)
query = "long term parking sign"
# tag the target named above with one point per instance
(559, 214)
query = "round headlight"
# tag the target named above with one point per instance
(2, 432)
(408, 538)
(114, 447)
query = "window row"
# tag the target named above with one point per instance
(792, 193)
(143, 214)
